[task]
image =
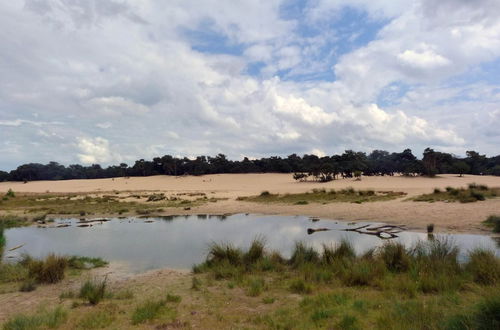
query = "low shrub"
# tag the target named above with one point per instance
(49, 270)
(493, 221)
(28, 285)
(93, 291)
(149, 310)
(483, 266)
(303, 254)
(395, 257)
(300, 286)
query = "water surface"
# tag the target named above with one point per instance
(178, 242)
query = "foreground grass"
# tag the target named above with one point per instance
(325, 196)
(389, 288)
(472, 193)
(423, 287)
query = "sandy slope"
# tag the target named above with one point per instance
(446, 216)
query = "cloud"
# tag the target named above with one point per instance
(95, 150)
(140, 76)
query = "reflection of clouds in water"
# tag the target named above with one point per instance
(180, 242)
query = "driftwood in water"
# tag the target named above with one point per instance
(383, 232)
(312, 230)
(93, 220)
(84, 225)
(63, 225)
(16, 247)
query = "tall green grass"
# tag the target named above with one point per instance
(44, 319)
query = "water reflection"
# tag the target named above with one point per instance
(181, 241)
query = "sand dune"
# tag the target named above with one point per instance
(446, 216)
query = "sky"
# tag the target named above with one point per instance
(110, 81)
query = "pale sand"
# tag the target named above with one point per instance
(448, 217)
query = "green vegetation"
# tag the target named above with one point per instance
(493, 221)
(93, 291)
(37, 206)
(49, 270)
(10, 221)
(389, 287)
(472, 193)
(154, 309)
(325, 196)
(78, 262)
(44, 319)
(29, 272)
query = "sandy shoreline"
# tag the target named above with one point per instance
(447, 217)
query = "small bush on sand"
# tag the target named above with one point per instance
(49, 270)
(493, 221)
(220, 252)
(301, 287)
(149, 310)
(93, 291)
(28, 285)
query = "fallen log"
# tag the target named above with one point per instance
(313, 230)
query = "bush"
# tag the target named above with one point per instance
(395, 257)
(255, 252)
(77, 262)
(493, 221)
(28, 285)
(301, 287)
(10, 193)
(484, 267)
(342, 251)
(220, 252)
(93, 291)
(363, 272)
(49, 270)
(303, 254)
(265, 193)
(255, 288)
(149, 310)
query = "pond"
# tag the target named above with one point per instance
(179, 242)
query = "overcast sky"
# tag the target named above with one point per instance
(109, 81)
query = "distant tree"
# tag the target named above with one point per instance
(300, 176)
(430, 162)
(4, 176)
(461, 168)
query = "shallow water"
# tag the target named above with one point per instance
(178, 242)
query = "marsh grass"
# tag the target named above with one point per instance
(150, 310)
(324, 196)
(43, 319)
(48, 270)
(472, 193)
(32, 205)
(99, 319)
(93, 291)
(483, 266)
(79, 262)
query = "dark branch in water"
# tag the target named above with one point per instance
(383, 232)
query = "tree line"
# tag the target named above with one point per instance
(348, 164)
